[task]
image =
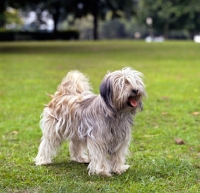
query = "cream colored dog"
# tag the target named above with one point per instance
(97, 126)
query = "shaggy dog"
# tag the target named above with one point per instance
(97, 126)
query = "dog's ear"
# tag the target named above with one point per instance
(106, 92)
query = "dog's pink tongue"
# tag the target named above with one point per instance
(133, 102)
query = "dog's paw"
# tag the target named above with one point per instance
(120, 169)
(82, 159)
(100, 172)
(41, 162)
(104, 173)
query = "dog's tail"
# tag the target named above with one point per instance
(73, 83)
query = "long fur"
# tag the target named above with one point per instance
(97, 126)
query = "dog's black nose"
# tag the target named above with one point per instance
(135, 91)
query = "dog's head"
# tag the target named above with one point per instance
(123, 90)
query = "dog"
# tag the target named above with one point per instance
(97, 126)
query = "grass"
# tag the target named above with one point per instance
(29, 70)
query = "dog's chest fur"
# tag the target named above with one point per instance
(98, 123)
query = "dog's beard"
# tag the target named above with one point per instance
(101, 122)
(121, 90)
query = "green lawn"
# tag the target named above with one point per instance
(29, 70)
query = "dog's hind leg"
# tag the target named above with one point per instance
(78, 151)
(47, 150)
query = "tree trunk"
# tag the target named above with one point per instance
(56, 14)
(95, 29)
(2, 16)
(95, 20)
(55, 19)
(166, 30)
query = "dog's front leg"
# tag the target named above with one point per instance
(99, 162)
(118, 159)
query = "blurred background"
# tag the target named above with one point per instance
(152, 20)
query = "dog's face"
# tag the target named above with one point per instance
(123, 90)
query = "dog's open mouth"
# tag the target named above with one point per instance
(132, 102)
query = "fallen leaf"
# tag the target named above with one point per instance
(179, 141)
(170, 157)
(14, 133)
(195, 113)
(165, 98)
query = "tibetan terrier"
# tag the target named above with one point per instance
(97, 126)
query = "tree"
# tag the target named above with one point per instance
(171, 14)
(2, 15)
(53, 6)
(12, 18)
(14, 4)
(99, 8)
(60, 8)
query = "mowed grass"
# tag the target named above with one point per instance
(29, 70)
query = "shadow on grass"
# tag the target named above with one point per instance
(35, 49)
(64, 47)
(149, 170)
(69, 176)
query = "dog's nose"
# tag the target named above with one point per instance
(135, 91)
